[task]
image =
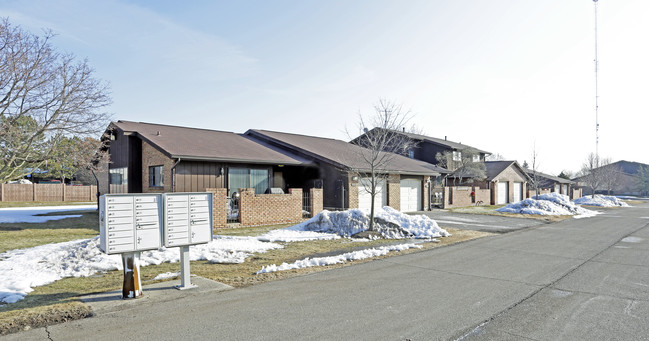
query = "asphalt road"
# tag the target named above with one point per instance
(580, 279)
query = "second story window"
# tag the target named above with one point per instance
(476, 158)
(457, 155)
(411, 154)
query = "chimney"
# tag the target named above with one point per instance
(404, 129)
(158, 134)
(444, 138)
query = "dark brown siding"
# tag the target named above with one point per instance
(135, 165)
(193, 176)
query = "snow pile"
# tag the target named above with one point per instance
(339, 259)
(547, 204)
(34, 214)
(23, 269)
(388, 222)
(601, 200)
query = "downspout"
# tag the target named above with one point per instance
(173, 175)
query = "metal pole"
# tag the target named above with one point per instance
(185, 272)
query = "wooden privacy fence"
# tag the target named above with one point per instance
(47, 192)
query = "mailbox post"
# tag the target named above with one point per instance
(128, 224)
(187, 221)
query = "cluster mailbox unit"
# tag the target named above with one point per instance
(187, 217)
(130, 223)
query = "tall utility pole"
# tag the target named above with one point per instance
(596, 89)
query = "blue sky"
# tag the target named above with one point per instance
(503, 76)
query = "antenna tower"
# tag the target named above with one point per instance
(596, 89)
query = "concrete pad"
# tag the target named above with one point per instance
(110, 301)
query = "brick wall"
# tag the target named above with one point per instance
(394, 191)
(153, 157)
(460, 196)
(316, 203)
(531, 192)
(267, 209)
(352, 189)
(219, 206)
(425, 201)
(576, 193)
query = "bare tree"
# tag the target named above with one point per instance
(44, 96)
(611, 175)
(535, 176)
(466, 164)
(591, 173)
(381, 141)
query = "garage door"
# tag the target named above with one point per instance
(364, 197)
(410, 195)
(518, 191)
(503, 193)
(564, 189)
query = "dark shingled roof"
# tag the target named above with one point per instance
(547, 177)
(342, 154)
(494, 168)
(209, 145)
(442, 142)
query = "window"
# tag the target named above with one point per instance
(156, 178)
(118, 180)
(457, 155)
(411, 154)
(476, 158)
(248, 178)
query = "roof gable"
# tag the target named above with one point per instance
(496, 168)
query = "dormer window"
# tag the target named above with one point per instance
(457, 155)
(411, 154)
(476, 158)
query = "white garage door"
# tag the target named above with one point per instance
(564, 189)
(556, 188)
(518, 191)
(503, 193)
(410, 195)
(364, 197)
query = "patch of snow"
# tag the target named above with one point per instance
(23, 269)
(345, 257)
(166, 275)
(632, 240)
(601, 200)
(548, 204)
(34, 214)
